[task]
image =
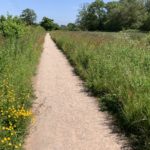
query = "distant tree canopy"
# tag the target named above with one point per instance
(63, 27)
(96, 16)
(91, 16)
(29, 16)
(48, 24)
(72, 27)
(115, 16)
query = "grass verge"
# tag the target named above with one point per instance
(115, 68)
(18, 61)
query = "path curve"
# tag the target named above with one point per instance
(66, 117)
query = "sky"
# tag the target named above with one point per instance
(62, 11)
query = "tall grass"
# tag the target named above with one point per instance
(116, 68)
(18, 61)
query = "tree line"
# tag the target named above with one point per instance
(112, 16)
(14, 25)
(115, 15)
(99, 16)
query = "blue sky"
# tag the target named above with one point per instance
(62, 11)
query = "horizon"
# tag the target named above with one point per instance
(59, 11)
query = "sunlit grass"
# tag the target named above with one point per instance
(18, 61)
(115, 68)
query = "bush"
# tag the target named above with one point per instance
(12, 26)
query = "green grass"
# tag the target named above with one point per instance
(18, 61)
(116, 68)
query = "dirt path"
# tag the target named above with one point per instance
(66, 117)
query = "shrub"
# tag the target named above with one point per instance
(12, 26)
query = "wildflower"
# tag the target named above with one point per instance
(16, 146)
(8, 138)
(9, 144)
(2, 141)
(12, 134)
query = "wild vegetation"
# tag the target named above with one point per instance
(19, 55)
(48, 24)
(115, 16)
(101, 16)
(116, 68)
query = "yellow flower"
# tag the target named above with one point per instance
(2, 141)
(12, 134)
(8, 138)
(16, 146)
(9, 144)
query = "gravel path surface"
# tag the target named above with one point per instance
(66, 118)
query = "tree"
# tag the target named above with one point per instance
(82, 17)
(29, 16)
(63, 27)
(113, 21)
(91, 16)
(48, 24)
(115, 15)
(146, 24)
(72, 27)
(125, 14)
(56, 26)
(133, 13)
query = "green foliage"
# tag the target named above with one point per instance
(18, 60)
(116, 68)
(133, 13)
(56, 26)
(91, 16)
(72, 27)
(146, 23)
(113, 20)
(48, 24)
(63, 27)
(115, 15)
(12, 26)
(19, 55)
(28, 16)
(125, 15)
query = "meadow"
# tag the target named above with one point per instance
(115, 67)
(19, 56)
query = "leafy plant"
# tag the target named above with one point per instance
(12, 26)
